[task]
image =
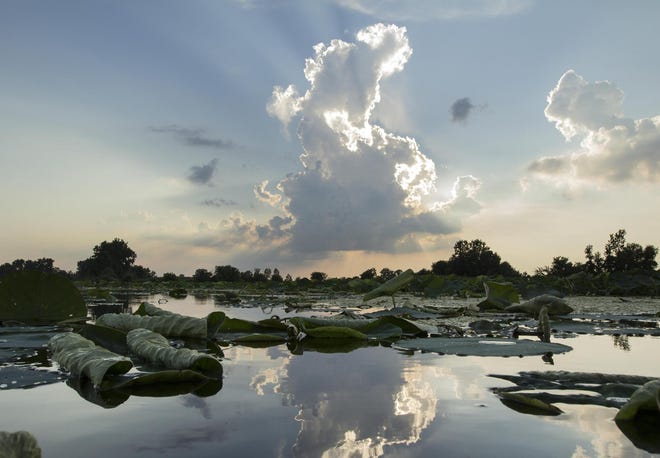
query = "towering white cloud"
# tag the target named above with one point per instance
(360, 187)
(612, 148)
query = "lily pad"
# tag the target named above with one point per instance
(477, 346)
(33, 297)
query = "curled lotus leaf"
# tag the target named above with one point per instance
(644, 398)
(336, 332)
(147, 309)
(156, 349)
(170, 325)
(83, 357)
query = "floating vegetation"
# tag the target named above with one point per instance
(390, 287)
(31, 297)
(20, 444)
(477, 346)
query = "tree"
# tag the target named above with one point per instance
(473, 258)
(247, 276)
(276, 277)
(169, 276)
(227, 273)
(386, 274)
(318, 276)
(41, 265)
(441, 267)
(113, 259)
(561, 267)
(621, 256)
(368, 274)
(202, 275)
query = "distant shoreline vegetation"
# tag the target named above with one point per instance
(622, 269)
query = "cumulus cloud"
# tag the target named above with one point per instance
(612, 148)
(360, 187)
(202, 174)
(266, 196)
(428, 10)
(193, 137)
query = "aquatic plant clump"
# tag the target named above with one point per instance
(83, 357)
(156, 349)
(19, 444)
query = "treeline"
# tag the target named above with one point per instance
(622, 266)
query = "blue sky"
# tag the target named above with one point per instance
(193, 130)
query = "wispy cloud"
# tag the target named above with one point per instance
(219, 202)
(429, 10)
(193, 137)
(612, 148)
(202, 174)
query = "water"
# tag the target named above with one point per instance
(373, 401)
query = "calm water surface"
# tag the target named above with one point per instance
(372, 401)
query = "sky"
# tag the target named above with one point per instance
(331, 135)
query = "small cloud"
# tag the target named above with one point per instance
(202, 174)
(460, 109)
(194, 137)
(219, 202)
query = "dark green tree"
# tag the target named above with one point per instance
(169, 276)
(318, 276)
(227, 273)
(276, 277)
(473, 258)
(202, 275)
(109, 259)
(368, 274)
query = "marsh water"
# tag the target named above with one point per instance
(370, 401)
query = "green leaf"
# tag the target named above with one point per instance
(33, 297)
(156, 349)
(391, 286)
(147, 309)
(110, 338)
(498, 296)
(645, 398)
(170, 325)
(528, 405)
(251, 338)
(82, 357)
(532, 307)
(335, 332)
(476, 346)
(376, 329)
(20, 444)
